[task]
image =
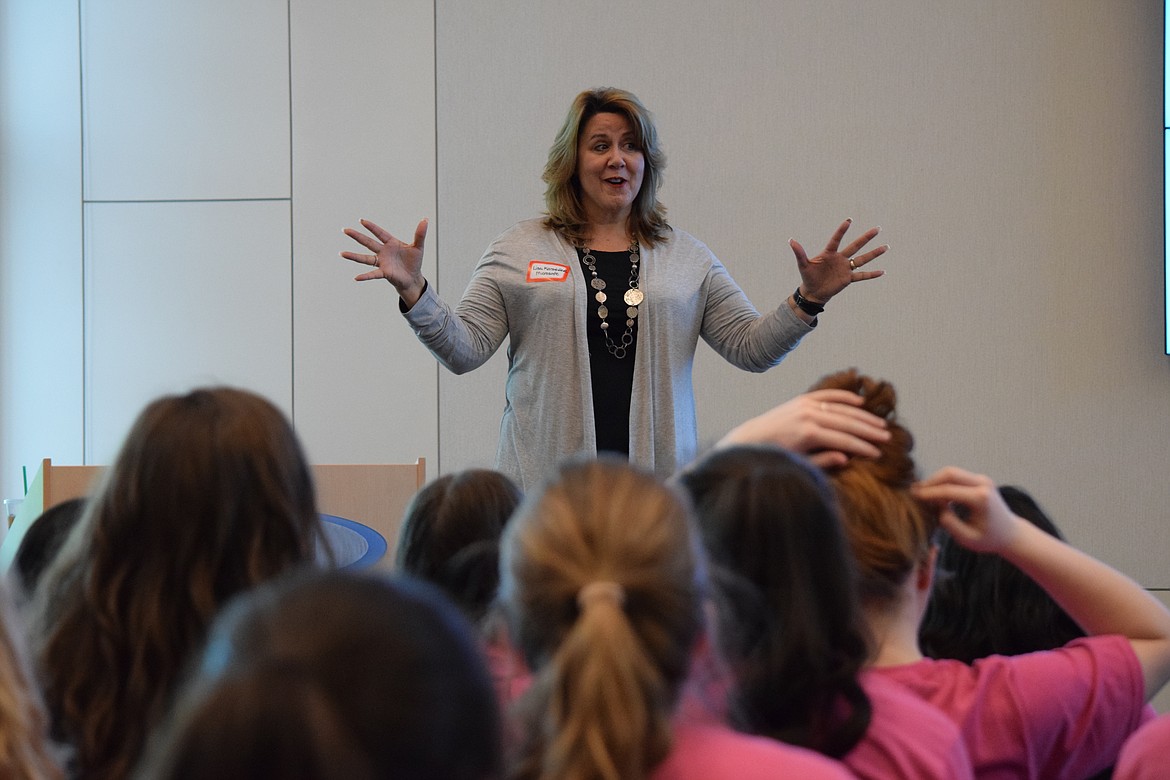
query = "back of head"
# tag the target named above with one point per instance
(602, 583)
(890, 532)
(451, 535)
(336, 675)
(209, 495)
(42, 541)
(982, 605)
(790, 621)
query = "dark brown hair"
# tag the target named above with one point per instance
(210, 495)
(335, 675)
(451, 535)
(790, 622)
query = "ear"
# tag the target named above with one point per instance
(924, 574)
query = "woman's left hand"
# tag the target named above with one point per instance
(834, 269)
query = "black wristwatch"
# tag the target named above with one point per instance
(810, 308)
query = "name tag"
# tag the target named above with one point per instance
(544, 271)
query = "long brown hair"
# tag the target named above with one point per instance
(607, 670)
(562, 197)
(790, 621)
(24, 729)
(889, 531)
(210, 494)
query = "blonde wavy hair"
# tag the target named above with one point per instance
(607, 671)
(889, 531)
(562, 196)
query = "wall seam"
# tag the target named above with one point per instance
(438, 373)
(84, 232)
(292, 290)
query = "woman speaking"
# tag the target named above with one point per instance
(603, 302)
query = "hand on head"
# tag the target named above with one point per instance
(970, 508)
(828, 426)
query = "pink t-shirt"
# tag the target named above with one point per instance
(1053, 714)
(907, 737)
(1146, 754)
(510, 674)
(708, 751)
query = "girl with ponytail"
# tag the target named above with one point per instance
(603, 584)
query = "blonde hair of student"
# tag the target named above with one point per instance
(602, 583)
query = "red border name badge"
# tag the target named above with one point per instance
(546, 271)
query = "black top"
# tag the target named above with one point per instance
(612, 377)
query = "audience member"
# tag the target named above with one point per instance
(24, 733)
(791, 627)
(209, 495)
(1051, 714)
(41, 542)
(603, 585)
(1146, 754)
(982, 605)
(335, 676)
(451, 536)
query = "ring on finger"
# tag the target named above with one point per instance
(852, 267)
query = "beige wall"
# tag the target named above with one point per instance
(1012, 153)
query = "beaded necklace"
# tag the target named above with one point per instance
(633, 297)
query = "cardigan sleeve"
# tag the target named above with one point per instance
(736, 330)
(463, 338)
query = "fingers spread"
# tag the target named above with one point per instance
(381, 234)
(856, 245)
(798, 250)
(362, 239)
(838, 234)
(420, 234)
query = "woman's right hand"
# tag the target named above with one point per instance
(396, 262)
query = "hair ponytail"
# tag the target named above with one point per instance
(601, 585)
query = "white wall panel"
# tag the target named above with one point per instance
(363, 146)
(1011, 152)
(185, 100)
(180, 295)
(40, 239)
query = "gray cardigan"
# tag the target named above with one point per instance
(527, 287)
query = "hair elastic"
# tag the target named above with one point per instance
(601, 590)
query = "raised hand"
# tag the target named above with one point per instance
(396, 262)
(834, 269)
(828, 426)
